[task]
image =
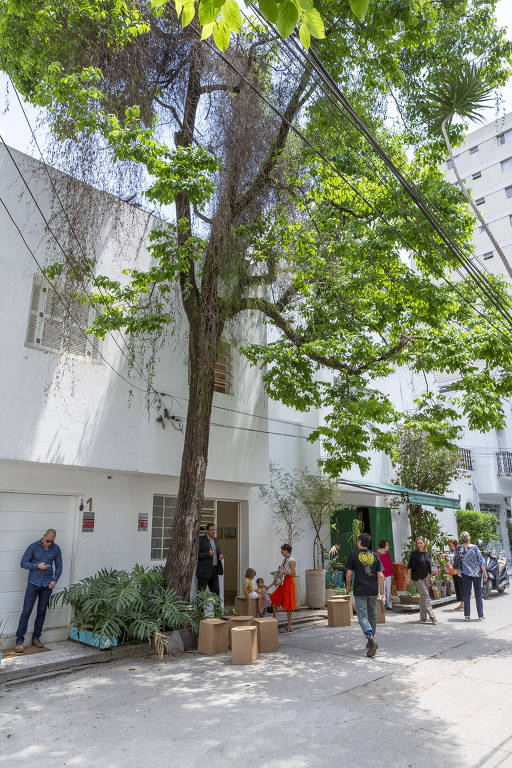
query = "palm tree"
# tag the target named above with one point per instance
(463, 93)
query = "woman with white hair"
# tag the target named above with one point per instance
(469, 564)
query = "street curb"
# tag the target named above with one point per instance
(180, 640)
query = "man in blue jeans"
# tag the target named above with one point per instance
(366, 567)
(40, 559)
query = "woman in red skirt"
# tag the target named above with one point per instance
(284, 594)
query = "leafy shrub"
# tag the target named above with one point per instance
(479, 525)
(132, 606)
(203, 604)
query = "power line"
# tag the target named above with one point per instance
(301, 135)
(414, 192)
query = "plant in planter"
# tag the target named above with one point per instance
(119, 606)
(319, 496)
(411, 596)
(286, 510)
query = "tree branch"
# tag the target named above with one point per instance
(201, 216)
(262, 178)
(273, 313)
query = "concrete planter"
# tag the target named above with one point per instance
(315, 588)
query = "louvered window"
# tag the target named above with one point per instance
(223, 372)
(58, 327)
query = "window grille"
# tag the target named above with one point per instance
(466, 460)
(164, 508)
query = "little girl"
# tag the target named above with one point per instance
(262, 590)
(249, 590)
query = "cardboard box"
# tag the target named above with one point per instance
(381, 611)
(266, 629)
(213, 636)
(339, 612)
(246, 606)
(244, 644)
(239, 621)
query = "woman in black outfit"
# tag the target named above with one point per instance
(420, 568)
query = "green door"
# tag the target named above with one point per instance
(341, 530)
(381, 527)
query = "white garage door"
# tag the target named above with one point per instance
(24, 517)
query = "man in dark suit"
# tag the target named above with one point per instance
(209, 561)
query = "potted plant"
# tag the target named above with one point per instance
(114, 607)
(319, 496)
(286, 511)
(411, 596)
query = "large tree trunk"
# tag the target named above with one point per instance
(181, 559)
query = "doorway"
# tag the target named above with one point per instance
(227, 534)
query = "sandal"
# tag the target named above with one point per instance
(433, 620)
(285, 629)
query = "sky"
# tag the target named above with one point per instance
(15, 131)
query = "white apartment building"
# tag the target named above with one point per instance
(484, 161)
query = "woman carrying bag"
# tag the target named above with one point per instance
(419, 568)
(284, 594)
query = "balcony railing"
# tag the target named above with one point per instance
(504, 462)
(466, 460)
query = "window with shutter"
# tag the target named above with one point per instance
(56, 327)
(223, 373)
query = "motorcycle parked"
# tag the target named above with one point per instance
(497, 572)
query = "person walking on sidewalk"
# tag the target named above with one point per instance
(457, 580)
(469, 563)
(366, 567)
(387, 570)
(419, 568)
(40, 559)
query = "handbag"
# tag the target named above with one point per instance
(220, 568)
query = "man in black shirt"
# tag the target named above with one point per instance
(366, 567)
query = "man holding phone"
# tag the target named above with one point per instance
(43, 560)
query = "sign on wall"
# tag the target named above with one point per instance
(142, 524)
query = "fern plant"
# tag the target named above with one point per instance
(202, 604)
(132, 606)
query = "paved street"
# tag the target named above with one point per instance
(433, 696)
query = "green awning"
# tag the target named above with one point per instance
(414, 497)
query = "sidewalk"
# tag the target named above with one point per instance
(433, 696)
(67, 655)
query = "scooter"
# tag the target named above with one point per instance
(497, 573)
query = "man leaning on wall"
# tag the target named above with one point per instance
(43, 560)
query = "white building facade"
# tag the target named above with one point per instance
(79, 449)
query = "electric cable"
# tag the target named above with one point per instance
(339, 173)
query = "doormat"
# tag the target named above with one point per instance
(29, 649)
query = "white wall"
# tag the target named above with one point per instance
(61, 409)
